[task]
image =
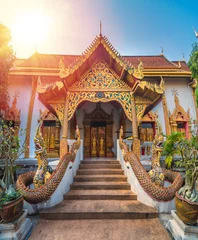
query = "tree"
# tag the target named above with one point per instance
(7, 58)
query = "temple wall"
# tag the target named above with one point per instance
(184, 94)
(159, 108)
(24, 87)
(108, 108)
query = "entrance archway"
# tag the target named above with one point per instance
(98, 133)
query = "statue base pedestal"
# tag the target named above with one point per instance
(17, 230)
(180, 230)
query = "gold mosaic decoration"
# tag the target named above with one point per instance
(65, 71)
(124, 98)
(41, 88)
(140, 109)
(59, 109)
(100, 77)
(153, 87)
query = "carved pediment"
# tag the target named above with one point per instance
(98, 114)
(100, 77)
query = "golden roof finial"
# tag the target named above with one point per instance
(183, 59)
(100, 29)
(162, 51)
(196, 33)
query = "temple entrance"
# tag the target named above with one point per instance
(98, 133)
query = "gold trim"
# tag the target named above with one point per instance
(166, 115)
(29, 120)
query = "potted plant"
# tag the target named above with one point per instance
(11, 201)
(187, 197)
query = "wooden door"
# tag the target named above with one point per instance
(49, 133)
(98, 147)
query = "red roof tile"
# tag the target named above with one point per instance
(184, 65)
(151, 62)
(52, 61)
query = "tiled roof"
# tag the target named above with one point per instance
(151, 62)
(52, 61)
(47, 60)
(183, 64)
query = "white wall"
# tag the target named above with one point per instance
(184, 95)
(24, 88)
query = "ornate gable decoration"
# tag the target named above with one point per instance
(13, 113)
(179, 113)
(100, 77)
(65, 71)
(98, 113)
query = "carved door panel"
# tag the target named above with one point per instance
(49, 133)
(98, 141)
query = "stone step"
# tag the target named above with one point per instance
(100, 209)
(100, 195)
(138, 229)
(99, 171)
(100, 185)
(100, 178)
(100, 162)
(100, 166)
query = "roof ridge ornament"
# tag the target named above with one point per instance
(162, 51)
(138, 72)
(100, 29)
(196, 33)
(64, 70)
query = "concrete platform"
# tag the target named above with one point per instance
(144, 229)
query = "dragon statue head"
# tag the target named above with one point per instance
(38, 140)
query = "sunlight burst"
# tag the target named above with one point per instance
(31, 28)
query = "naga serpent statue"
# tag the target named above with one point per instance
(44, 192)
(43, 170)
(156, 173)
(155, 191)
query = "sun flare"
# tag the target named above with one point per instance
(31, 29)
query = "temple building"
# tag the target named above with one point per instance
(100, 91)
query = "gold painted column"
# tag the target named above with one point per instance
(166, 115)
(63, 142)
(30, 112)
(136, 141)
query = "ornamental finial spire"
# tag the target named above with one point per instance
(100, 29)
(196, 33)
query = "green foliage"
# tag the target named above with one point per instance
(6, 197)
(10, 150)
(169, 149)
(187, 149)
(7, 58)
(193, 61)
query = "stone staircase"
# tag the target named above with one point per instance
(99, 196)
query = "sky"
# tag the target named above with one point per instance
(134, 27)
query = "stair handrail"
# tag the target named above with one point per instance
(155, 191)
(44, 192)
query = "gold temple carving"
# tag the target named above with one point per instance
(153, 87)
(179, 117)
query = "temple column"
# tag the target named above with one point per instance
(63, 142)
(136, 141)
